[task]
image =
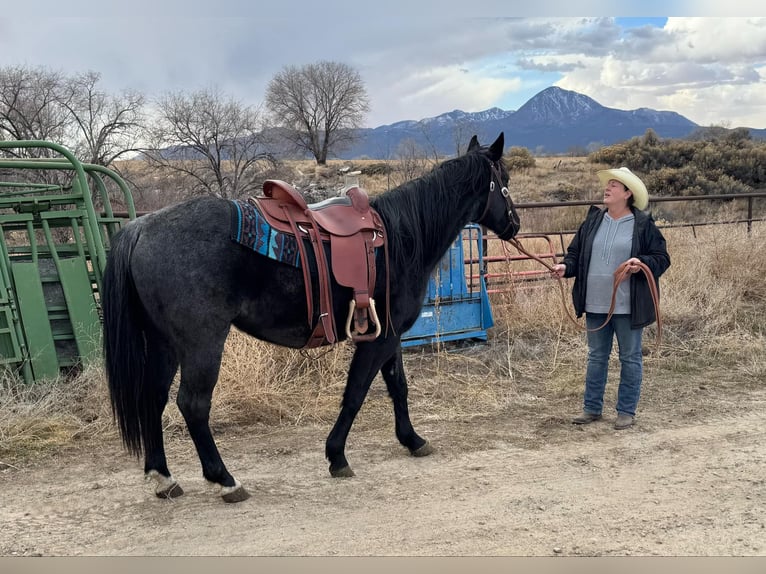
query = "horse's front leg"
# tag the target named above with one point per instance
(365, 364)
(396, 382)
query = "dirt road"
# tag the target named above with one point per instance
(688, 479)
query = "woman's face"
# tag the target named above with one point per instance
(616, 194)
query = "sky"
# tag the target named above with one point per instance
(416, 59)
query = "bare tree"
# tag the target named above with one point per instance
(462, 130)
(40, 104)
(30, 106)
(109, 126)
(320, 105)
(412, 162)
(429, 138)
(214, 143)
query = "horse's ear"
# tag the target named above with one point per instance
(473, 144)
(496, 149)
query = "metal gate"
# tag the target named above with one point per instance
(456, 305)
(53, 246)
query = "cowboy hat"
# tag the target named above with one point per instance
(629, 180)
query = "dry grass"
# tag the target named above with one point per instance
(715, 296)
(713, 304)
(45, 417)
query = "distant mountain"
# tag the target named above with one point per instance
(554, 121)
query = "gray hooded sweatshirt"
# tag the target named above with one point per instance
(611, 247)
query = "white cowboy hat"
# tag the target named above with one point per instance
(629, 180)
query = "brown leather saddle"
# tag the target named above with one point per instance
(354, 230)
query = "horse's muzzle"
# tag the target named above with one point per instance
(510, 231)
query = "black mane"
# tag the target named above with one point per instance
(416, 212)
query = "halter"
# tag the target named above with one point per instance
(497, 176)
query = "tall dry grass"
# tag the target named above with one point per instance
(713, 307)
(715, 297)
(714, 314)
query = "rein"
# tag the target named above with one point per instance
(622, 272)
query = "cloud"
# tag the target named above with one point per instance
(698, 67)
(545, 64)
(415, 63)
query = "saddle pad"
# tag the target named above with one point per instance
(250, 228)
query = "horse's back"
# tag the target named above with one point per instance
(195, 280)
(178, 245)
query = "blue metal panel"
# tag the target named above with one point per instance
(452, 308)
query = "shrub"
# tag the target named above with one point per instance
(724, 162)
(518, 159)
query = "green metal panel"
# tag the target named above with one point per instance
(9, 344)
(34, 316)
(53, 246)
(16, 338)
(3, 289)
(81, 305)
(58, 316)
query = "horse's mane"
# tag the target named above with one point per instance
(416, 213)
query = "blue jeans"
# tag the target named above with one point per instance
(631, 363)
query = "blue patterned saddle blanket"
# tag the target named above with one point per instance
(250, 228)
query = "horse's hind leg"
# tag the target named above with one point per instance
(199, 374)
(161, 367)
(396, 382)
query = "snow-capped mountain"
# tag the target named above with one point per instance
(553, 121)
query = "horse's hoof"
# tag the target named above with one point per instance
(172, 491)
(344, 472)
(424, 450)
(237, 495)
(165, 486)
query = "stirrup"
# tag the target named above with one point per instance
(355, 336)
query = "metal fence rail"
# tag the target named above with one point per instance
(503, 271)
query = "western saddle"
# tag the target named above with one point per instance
(353, 230)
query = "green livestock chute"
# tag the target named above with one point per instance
(53, 246)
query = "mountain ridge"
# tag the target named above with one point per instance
(552, 122)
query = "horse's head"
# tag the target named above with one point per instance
(498, 214)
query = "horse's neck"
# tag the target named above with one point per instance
(444, 226)
(431, 257)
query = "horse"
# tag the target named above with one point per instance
(174, 284)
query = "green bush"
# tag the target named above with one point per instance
(518, 159)
(717, 161)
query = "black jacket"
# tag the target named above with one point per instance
(648, 246)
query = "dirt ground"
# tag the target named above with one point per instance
(689, 479)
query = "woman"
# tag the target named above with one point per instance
(620, 232)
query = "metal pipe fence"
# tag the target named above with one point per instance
(504, 270)
(502, 266)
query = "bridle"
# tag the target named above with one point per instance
(620, 274)
(497, 176)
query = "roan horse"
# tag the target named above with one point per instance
(175, 282)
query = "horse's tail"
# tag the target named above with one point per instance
(124, 352)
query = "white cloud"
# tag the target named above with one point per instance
(444, 89)
(710, 70)
(708, 40)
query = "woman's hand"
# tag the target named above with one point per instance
(633, 264)
(558, 270)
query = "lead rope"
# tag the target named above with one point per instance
(619, 275)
